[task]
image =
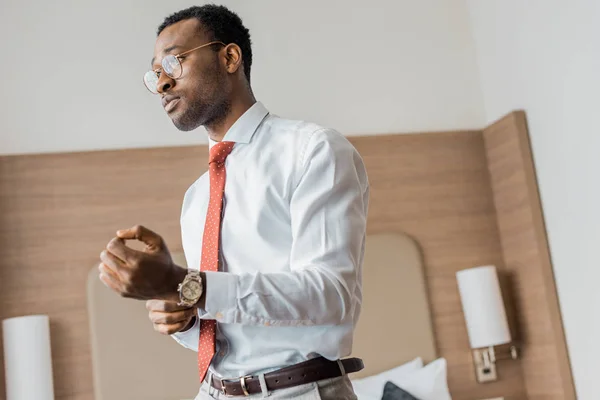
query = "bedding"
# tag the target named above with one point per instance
(427, 382)
(371, 388)
(393, 392)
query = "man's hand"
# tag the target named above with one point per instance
(143, 275)
(168, 317)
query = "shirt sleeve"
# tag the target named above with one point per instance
(189, 338)
(321, 285)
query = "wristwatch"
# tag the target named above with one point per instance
(190, 290)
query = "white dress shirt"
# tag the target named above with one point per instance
(292, 244)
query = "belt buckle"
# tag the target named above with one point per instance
(242, 384)
(223, 389)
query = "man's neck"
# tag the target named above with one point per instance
(218, 130)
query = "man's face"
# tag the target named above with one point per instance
(200, 95)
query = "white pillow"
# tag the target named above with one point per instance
(428, 383)
(371, 387)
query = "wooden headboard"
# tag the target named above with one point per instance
(57, 211)
(388, 334)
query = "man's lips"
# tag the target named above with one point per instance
(169, 102)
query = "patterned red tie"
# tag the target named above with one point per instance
(210, 245)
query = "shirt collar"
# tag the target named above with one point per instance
(243, 129)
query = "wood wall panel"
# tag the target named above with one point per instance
(546, 367)
(57, 211)
(435, 187)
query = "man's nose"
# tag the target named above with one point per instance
(165, 83)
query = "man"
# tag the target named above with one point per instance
(276, 228)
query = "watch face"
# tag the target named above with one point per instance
(191, 290)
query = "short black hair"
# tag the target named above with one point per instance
(222, 24)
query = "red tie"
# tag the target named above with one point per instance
(210, 245)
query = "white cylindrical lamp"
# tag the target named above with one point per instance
(485, 317)
(27, 358)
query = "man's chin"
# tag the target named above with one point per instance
(184, 124)
(182, 127)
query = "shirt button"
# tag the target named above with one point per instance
(219, 316)
(222, 353)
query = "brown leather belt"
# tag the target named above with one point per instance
(314, 370)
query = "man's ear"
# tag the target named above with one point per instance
(233, 58)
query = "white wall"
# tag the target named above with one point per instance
(544, 56)
(73, 79)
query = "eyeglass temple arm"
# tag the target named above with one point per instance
(199, 47)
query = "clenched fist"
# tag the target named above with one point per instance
(142, 275)
(168, 317)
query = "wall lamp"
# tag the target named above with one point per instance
(485, 316)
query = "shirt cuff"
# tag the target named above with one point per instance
(221, 296)
(202, 314)
(189, 338)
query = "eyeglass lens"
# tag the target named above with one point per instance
(170, 65)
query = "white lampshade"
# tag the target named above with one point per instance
(483, 307)
(27, 358)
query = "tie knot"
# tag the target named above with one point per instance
(219, 152)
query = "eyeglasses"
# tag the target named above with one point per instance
(171, 65)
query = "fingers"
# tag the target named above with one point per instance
(167, 317)
(142, 234)
(109, 278)
(111, 261)
(117, 245)
(164, 306)
(171, 318)
(108, 273)
(171, 329)
(118, 248)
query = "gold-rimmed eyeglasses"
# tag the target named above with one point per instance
(171, 65)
